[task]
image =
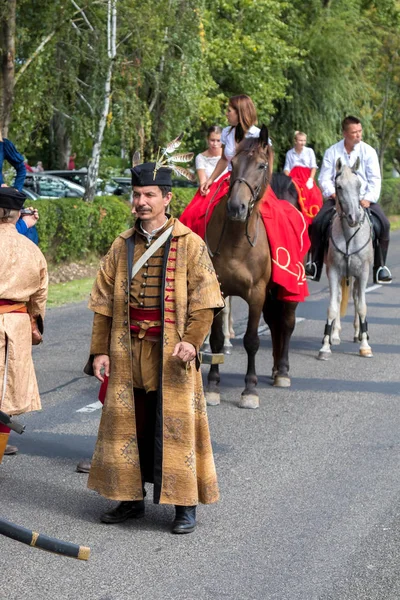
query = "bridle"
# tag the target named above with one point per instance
(342, 215)
(255, 197)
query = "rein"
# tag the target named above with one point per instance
(346, 253)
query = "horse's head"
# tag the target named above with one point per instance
(348, 186)
(249, 177)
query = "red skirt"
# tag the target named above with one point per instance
(198, 212)
(310, 200)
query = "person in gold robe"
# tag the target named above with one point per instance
(23, 294)
(152, 313)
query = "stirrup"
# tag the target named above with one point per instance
(311, 270)
(387, 279)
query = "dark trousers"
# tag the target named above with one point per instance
(319, 230)
(145, 410)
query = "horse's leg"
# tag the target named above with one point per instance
(356, 338)
(231, 330)
(325, 352)
(365, 348)
(251, 342)
(285, 326)
(226, 314)
(217, 342)
(272, 317)
(337, 328)
(206, 345)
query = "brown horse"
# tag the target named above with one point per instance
(239, 248)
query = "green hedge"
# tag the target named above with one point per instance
(71, 229)
(390, 196)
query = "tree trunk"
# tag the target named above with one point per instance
(7, 66)
(61, 142)
(94, 162)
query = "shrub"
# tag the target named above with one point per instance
(71, 229)
(390, 196)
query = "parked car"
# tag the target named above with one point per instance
(79, 176)
(30, 194)
(48, 186)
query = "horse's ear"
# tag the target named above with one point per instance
(338, 165)
(264, 137)
(356, 165)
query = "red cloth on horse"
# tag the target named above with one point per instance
(289, 243)
(286, 231)
(198, 212)
(310, 200)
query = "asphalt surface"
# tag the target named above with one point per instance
(310, 482)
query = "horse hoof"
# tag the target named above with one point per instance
(366, 352)
(356, 339)
(249, 401)
(335, 341)
(282, 382)
(274, 373)
(213, 398)
(324, 355)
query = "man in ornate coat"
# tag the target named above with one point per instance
(153, 309)
(23, 294)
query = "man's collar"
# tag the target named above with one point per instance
(149, 236)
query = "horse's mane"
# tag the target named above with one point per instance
(284, 188)
(248, 145)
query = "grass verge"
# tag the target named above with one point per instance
(68, 292)
(394, 222)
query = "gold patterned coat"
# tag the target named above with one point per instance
(23, 278)
(184, 471)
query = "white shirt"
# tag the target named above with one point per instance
(228, 140)
(306, 158)
(208, 163)
(369, 172)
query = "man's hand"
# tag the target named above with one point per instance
(365, 203)
(184, 351)
(101, 361)
(31, 220)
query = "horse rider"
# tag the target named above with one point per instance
(349, 149)
(154, 299)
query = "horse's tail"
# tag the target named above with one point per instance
(345, 295)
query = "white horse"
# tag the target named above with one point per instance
(349, 256)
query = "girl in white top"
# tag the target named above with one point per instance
(207, 160)
(242, 117)
(301, 156)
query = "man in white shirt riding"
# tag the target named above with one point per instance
(349, 150)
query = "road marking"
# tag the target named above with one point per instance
(372, 288)
(264, 329)
(91, 407)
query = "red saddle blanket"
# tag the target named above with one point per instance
(310, 200)
(286, 230)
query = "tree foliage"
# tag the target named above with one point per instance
(305, 64)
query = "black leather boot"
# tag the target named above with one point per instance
(132, 509)
(185, 519)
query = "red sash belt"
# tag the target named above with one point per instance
(141, 315)
(12, 306)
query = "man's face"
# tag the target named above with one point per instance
(300, 141)
(148, 202)
(353, 134)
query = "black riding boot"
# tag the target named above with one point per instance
(185, 519)
(381, 272)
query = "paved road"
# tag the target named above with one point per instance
(310, 482)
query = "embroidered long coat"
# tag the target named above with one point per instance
(184, 471)
(23, 278)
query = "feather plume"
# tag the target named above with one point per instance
(183, 172)
(136, 159)
(181, 158)
(174, 144)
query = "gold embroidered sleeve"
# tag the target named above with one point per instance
(101, 333)
(198, 326)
